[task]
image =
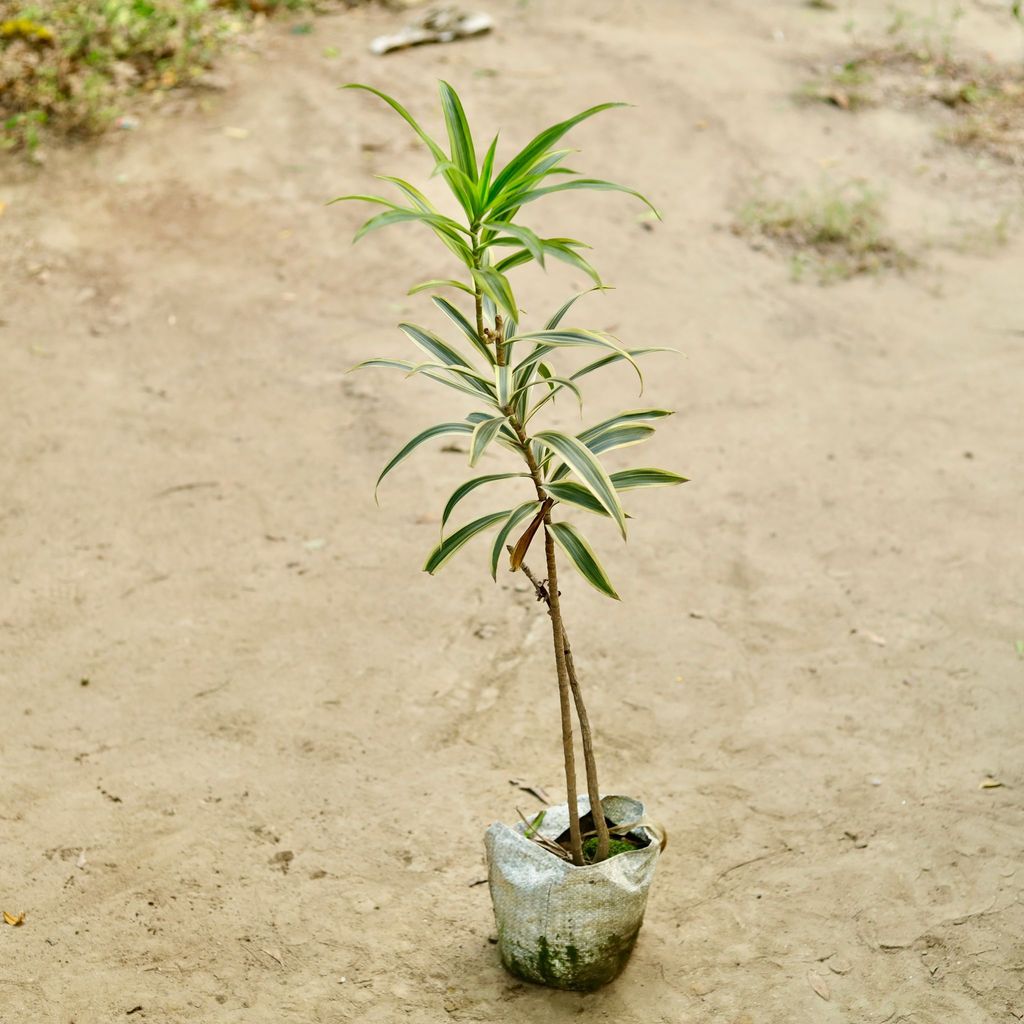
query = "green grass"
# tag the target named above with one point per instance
(847, 86)
(67, 66)
(917, 66)
(836, 231)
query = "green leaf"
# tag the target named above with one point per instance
(468, 487)
(450, 545)
(604, 361)
(506, 437)
(433, 345)
(511, 325)
(431, 371)
(575, 493)
(522, 198)
(459, 135)
(581, 460)
(572, 337)
(434, 148)
(361, 198)
(629, 416)
(447, 229)
(563, 249)
(452, 376)
(461, 185)
(517, 259)
(567, 254)
(631, 479)
(542, 168)
(556, 384)
(503, 384)
(413, 194)
(524, 236)
(439, 224)
(538, 146)
(483, 434)
(484, 181)
(531, 829)
(388, 364)
(438, 430)
(557, 318)
(536, 172)
(458, 318)
(620, 436)
(522, 376)
(517, 515)
(582, 557)
(424, 286)
(496, 287)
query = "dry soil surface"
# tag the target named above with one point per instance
(249, 750)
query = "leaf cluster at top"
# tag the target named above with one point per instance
(508, 373)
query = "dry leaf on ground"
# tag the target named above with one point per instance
(819, 985)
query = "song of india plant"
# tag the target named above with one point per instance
(511, 376)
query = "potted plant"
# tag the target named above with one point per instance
(570, 887)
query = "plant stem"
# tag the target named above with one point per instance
(575, 841)
(562, 663)
(593, 789)
(589, 762)
(568, 683)
(478, 295)
(480, 318)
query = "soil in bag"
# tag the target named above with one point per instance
(616, 844)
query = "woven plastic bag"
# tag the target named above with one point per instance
(559, 924)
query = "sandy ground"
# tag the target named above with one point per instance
(249, 751)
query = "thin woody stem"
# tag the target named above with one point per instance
(499, 340)
(590, 764)
(593, 790)
(568, 684)
(478, 296)
(480, 317)
(561, 662)
(575, 840)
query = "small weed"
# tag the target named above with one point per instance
(929, 37)
(982, 238)
(846, 85)
(836, 231)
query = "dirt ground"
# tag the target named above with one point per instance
(249, 751)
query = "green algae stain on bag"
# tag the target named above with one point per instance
(561, 925)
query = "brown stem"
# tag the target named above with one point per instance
(575, 842)
(478, 295)
(480, 317)
(593, 790)
(566, 670)
(562, 661)
(499, 340)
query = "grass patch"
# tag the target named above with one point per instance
(835, 231)
(984, 237)
(67, 66)
(916, 67)
(847, 86)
